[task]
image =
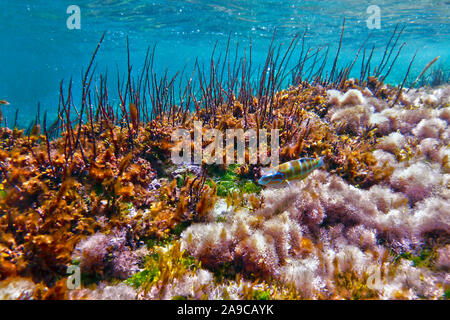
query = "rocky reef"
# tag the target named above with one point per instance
(97, 191)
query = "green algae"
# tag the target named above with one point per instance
(221, 219)
(261, 295)
(152, 242)
(181, 179)
(228, 181)
(164, 264)
(225, 270)
(180, 227)
(425, 259)
(139, 279)
(447, 294)
(251, 187)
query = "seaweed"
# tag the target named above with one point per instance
(229, 181)
(162, 267)
(101, 169)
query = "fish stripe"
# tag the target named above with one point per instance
(290, 171)
(302, 166)
(294, 169)
(311, 165)
(276, 181)
(287, 170)
(309, 162)
(283, 168)
(297, 168)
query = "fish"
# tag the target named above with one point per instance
(4, 102)
(293, 170)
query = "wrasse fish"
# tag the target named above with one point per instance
(4, 102)
(292, 170)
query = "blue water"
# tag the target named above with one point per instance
(38, 50)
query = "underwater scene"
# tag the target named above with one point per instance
(224, 150)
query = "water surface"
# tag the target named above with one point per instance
(38, 50)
